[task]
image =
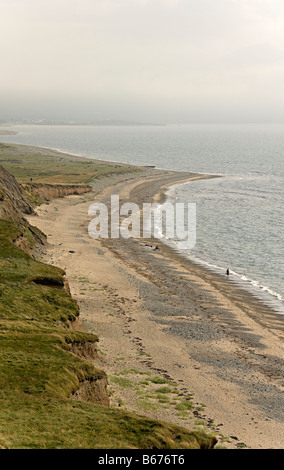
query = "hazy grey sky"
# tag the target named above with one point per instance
(154, 60)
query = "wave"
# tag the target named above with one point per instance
(263, 292)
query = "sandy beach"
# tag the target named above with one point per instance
(159, 315)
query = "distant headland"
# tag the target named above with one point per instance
(66, 122)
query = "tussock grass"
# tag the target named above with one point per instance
(184, 405)
(164, 390)
(123, 382)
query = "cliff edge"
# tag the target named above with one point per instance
(13, 203)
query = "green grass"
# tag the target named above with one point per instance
(122, 382)
(132, 371)
(60, 424)
(39, 372)
(184, 405)
(52, 168)
(34, 308)
(162, 398)
(164, 390)
(161, 380)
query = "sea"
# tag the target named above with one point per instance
(239, 214)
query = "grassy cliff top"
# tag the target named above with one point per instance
(50, 167)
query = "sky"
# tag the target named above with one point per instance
(179, 61)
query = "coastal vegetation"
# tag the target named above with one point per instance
(52, 394)
(43, 166)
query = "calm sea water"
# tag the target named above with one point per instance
(239, 216)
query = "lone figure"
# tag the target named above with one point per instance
(228, 272)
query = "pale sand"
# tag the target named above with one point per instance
(158, 313)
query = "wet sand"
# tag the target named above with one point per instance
(158, 314)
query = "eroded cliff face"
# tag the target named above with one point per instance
(13, 204)
(40, 193)
(93, 390)
(17, 200)
(13, 208)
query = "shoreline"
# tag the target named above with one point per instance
(265, 294)
(248, 285)
(173, 318)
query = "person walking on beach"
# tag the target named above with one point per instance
(228, 272)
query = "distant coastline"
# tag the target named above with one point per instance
(66, 122)
(7, 132)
